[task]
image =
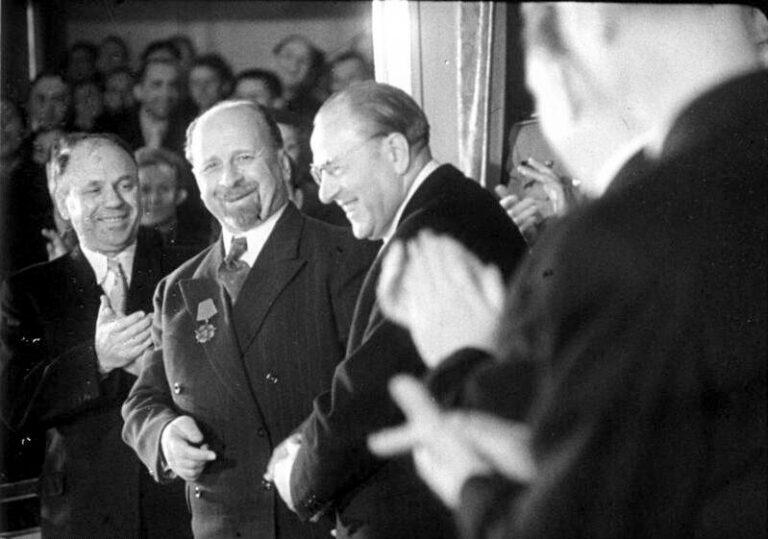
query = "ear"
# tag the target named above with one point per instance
(181, 196)
(285, 165)
(397, 150)
(61, 204)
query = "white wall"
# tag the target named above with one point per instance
(243, 32)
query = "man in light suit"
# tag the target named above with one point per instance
(67, 362)
(245, 334)
(372, 145)
(648, 333)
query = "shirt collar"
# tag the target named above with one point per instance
(421, 177)
(256, 237)
(98, 262)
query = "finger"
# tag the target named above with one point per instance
(415, 401)
(540, 166)
(509, 202)
(392, 442)
(502, 191)
(187, 430)
(121, 323)
(530, 212)
(48, 234)
(189, 455)
(127, 329)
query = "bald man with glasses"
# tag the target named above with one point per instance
(372, 158)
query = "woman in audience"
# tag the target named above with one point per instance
(299, 64)
(113, 55)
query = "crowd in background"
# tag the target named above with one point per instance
(150, 108)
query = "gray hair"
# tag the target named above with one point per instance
(262, 112)
(385, 108)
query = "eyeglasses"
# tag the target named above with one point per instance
(331, 166)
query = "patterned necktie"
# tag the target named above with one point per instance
(233, 271)
(119, 288)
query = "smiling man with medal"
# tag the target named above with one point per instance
(246, 334)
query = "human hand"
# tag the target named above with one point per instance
(280, 467)
(55, 245)
(450, 447)
(444, 295)
(120, 340)
(182, 447)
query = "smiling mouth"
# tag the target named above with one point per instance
(234, 196)
(347, 206)
(113, 219)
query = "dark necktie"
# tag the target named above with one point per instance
(119, 288)
(233, 271)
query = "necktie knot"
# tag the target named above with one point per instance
(234, 271)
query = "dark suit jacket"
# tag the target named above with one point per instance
(334, 469)
(649, 334)
(252, 382)
(92, 484)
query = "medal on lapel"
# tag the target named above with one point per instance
(205, 311)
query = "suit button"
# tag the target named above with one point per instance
(261, 433)
(198, 492)
(177, 388)
(271, 378)
(266, 485)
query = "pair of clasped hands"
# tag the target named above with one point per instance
(121, 340)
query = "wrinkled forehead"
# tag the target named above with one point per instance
(225, 128)
(99, 153)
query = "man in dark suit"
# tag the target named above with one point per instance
(67, 361)
(648, 330)
(372, 141)
(246, 333)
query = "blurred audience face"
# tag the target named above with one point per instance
(158, 93)
(89, 104)
(255, 90)
(294, 61)
(48, 103)
(355, 174)
(291, 141)
(112, 55)
(99, 194)
(162, 55)
(11, 129)
(205, 87)
(118, 91)
(346, 72)
(41, 146)
(81, 64)
(239, 170)
(160, 193)
(186, 49)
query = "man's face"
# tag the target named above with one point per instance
(12, 130)
(357, 176)
(48, 103)
(111, 56)
(291, 141)
(293, 63)
(101, 196)
(81, 65)
(238, 170)
(88, 101)
(41, 147)
(205, 87)
(345, 73)
(159, 194)
(118, 93)
(158, 93)
(256, 91)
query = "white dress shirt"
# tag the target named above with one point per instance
(98, 262)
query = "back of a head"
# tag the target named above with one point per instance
(383, 109)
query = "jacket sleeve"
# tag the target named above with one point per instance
(40, 384)
(149, 406)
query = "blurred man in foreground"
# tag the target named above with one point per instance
(648, 331)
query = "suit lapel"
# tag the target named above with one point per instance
(82, 283)
(221, 350)
(274, 268)
(146, 272)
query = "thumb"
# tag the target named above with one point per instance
(189, 429)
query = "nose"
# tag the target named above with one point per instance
(329, 188)
(113, 198)
(231, 174)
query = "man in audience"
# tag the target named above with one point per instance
(246, 333)
(72, 335)
(113, 55)
(118, 91)
(81, 61)
(298, 63)
(347, 68)
(648, 330)
(371, 146)
(260, 86)
(161, 195)
(49, 102)
(155, 121)
(88, 104)
(210, 81)
(161, 50)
